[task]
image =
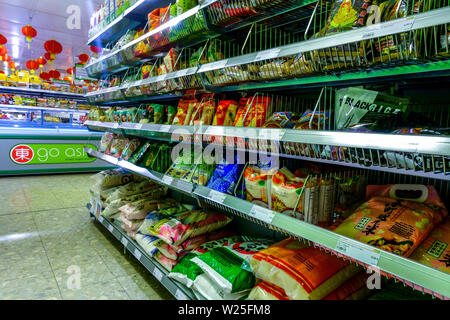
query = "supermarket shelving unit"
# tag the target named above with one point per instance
(411, 273)
(40, 92)
(176, 289)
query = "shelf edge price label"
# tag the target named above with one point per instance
(100, 218)
(180, 295)
(124, 241)
(167, 180)
(164, 128)
(137, 254)
(267, 54)
(217, 196)
(182, 73)
(352, 249)
(138, 126)
(110, 228)
(157, 274)
(262, 214)
(216, 65)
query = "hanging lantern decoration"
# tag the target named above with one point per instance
(41, 62)
(12, 65)
(96, 50)
(48, 57)
(6, 58)
(84, 58)
(3, 52)
(54, 74)
(44, 76)
(32, 65)
(29, 32)
(3, 40)
(71, 70)
(53, 47)
(67, 79)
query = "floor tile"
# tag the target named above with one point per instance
(34, 287)
(140, 288)
(106, 290)
(89, 273)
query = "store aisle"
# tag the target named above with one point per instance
(47, 239)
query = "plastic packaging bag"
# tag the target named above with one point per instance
(175, 231)
(396, 218)
(140, 209)
(229, 266)
(147, 243)
(267, 291)
(303, 272)
(162, 213)
(113, 178)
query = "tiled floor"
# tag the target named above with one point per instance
(47, 239)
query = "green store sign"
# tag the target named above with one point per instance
(36, 153)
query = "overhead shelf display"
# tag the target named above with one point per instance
(411, 273)
(327, 60)
(131, 17)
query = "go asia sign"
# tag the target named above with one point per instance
(34, 153)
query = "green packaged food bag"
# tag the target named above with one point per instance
(229, 267)
(171, 111)
(139, 154)
(186, 271)
(158, 113)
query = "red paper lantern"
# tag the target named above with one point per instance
(54, 74)
(48, 57)
(3, 40)
(44, 76)
(84, 58)
(29, 32)
(3, 51)
(41, 61)
(96, 50)
(12, 65)
(32, 65)
(6, 58)
(53, 47)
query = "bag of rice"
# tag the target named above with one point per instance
(354, 288)
(105, 142)
(208, 289)
(130, 148)
(229, 266)
(157, 215)
(131, 189)
(435, 250)
(132, 225)
(147, 243)
(257, 183)
(398, 220)
(176, 230)
(186, 271)
(267, 291)
(177, 252)
(140, 209)
(112, 178)
(132, 233)
(167, 263)
(304, 273)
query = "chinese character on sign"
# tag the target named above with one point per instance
(21, 154)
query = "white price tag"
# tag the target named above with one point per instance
(124, 241)
(267, 54)
(137, 254)
(160, 78)
(271, 134)
(165, 128)
(115, 126)
(167, 180)
(182, 73)
(262, 214)
(157, 274)
(354, 250)
(367, 35)
(110, 228)
(100, 218)
(180, 295)
(216, 65)
(217, 196)
(138, 126)
(137, 83)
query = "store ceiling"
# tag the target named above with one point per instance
(49, 18)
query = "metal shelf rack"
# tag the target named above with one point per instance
(179, 291)
(40, 92)
(411, 273)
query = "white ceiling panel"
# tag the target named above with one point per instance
(49, 18)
